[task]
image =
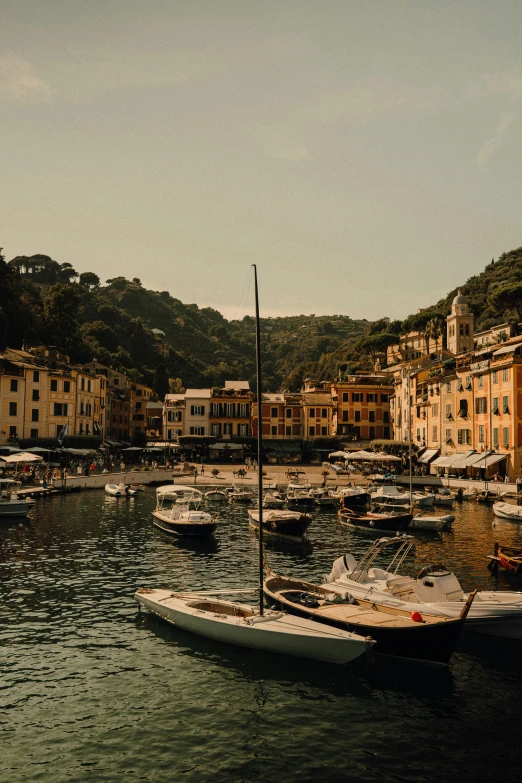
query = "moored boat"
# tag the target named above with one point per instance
(434, 522)
(176, 518)
(507, 557)
(281, 522)
(216, 495)
(118, 490)
(508, 511)
(376, 523)
(11, 505)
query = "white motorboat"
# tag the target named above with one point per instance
(172, 516)
(298, 495)
(423, 499)
(281, 522)
(247, 626)
(119, 490)
(240, 495)
(444, 498)
(242, 625)
(390, 496)
(435, 590)
(324, 498)
(216, 495)
(508, 511)
(185, 495)
(438, 523)
(273, 500)
(10, 504)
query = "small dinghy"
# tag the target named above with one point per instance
(423, 499)
(432, 522)
(119, 490)
(216, 495)
(444, 498)
(242, 625)
(506, 557)
(280, 522)
(508, 511)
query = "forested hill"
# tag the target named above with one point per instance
(44, 302)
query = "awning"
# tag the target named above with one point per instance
(165, 444)
(113, 442)
(486, 460)
(290, 447)
(443, 462)
(226, 446)
(507, 349)
(427, 456)
(461, 461)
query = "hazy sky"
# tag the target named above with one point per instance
(366, 155)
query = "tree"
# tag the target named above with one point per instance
(89, 280)
(373, 344)
(160, 384)
(507, 296)
(60, 310)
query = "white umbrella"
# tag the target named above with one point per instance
(339, 454)
(386, 457)
(24, 456)
(360, 455)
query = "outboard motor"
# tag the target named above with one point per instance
(342, 566)
(436, 584)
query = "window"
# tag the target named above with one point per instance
(371, 415)
(13, 408)
(88, 386)
(60, 409)
(345, 397)
(385, 397)
(36, 395)
(495, 436)
(12, 432)
(448, 411)
(464, 436)
(242, 429)
(242, 409)
(463, 409)
(138, 406)
(197, 410)
(34, 434)
(505, 404)
(481, 433)
(216, 430)
(386, 416)
(386, 432)
(67, 386)
(505, 437)
(435, 409)
(324, 413)
(14, 385)
(36, 379)
(88, 409)
(34, 414)
(139, 392)
(505, 375)
(197, 431)
(371, 432)
(312, 431)
(468, 381)
(288, 413)
(481, 381)
(345, 415)
(357, 397)
(448, 436)
(312, 413)
(495, 376)
(324, 430)
(288, 430)
(274, 430)
(54, 385)
(227, 429)
(83, 384)
(371, 397)
(357, 415)
(273, 413)
(481, 405)
(495, 405)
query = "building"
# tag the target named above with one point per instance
(317, 404)
(361, 407)
(173, 416)
(197, 412)
(231, 410)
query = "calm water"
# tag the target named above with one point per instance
(93, 690)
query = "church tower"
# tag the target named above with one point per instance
(460, 326)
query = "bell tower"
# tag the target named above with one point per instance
(460, 326)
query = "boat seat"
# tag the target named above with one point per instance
(398, 585)
(377, 573)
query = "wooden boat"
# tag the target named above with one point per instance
(242, 625)
(390, 495)
(11, 505)
(432, 522)
(376, 523)
(281, 522)
(507, 557)
(508, 511)
(435, 589)
(216, 495)
(487, 496)
(245, 625)
(176, 518)
(396, 631)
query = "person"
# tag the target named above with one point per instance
(518, 482)
(202, 469)
(93, 467)
(506, 480)
(254, 463)
(79, 469)
(195, 473)
(122, 466)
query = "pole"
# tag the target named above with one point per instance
(259, 444)
(409, 437)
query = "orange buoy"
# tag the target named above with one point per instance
(416, 617)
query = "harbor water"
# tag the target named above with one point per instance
(94, 690)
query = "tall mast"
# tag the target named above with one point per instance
(259, 445)
(409, 435)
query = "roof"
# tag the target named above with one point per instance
(460, 298)
(270, 397)
(507, 349)
(174, 398)
(243, 385)
(156, 405)
(428, 455)
(317, 398)
(197, 393)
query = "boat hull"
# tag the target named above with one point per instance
(436, 524)
(15, 508)
(277, 525)
(274, 633)
(177, 527)
(375, 523)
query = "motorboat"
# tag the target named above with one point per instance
(273, 500)
(281, 522)
(438, 523)
(324, 498)
(240, 495)
(507, 557)
(508, 511)
(242, 625)
(216, 495)
(298, 495)
(10, 504)
(356, 498)
(423, 499)
(390, 495)
(444, 498)
(120, 490)
(185, 495)
(397, 631)
(172, 516)
(487, 496)
(435, 589)
(375, 523)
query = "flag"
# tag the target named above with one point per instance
(63, 433)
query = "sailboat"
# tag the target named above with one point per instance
(206, 614)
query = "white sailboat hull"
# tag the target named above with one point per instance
(274, 632)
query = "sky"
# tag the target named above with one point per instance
(365, 155)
